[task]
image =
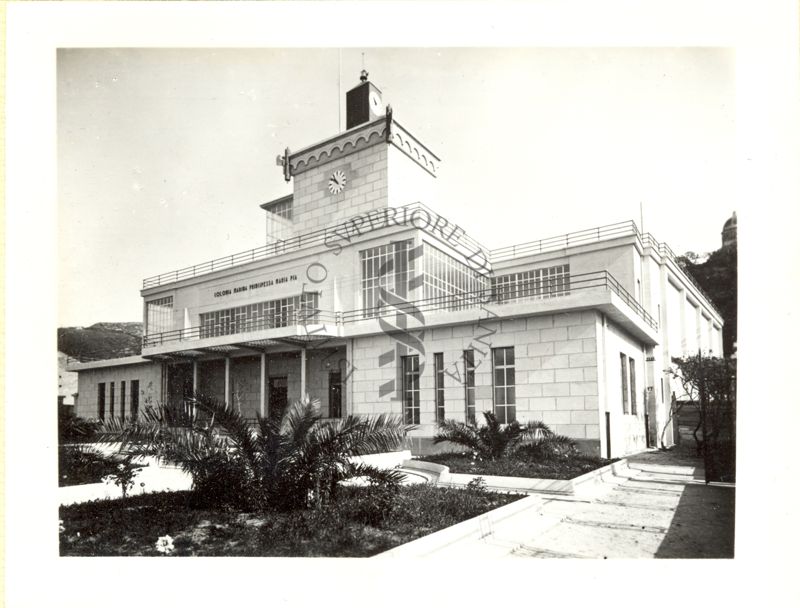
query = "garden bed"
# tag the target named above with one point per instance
(521, 464)
(133, 525)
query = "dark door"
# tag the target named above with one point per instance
(335, 395)
(278, 394)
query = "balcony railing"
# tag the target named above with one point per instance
(329, 235)
(597, 281)
(594, 235)
(571, 239)
(301, 316)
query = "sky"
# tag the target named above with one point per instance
(164, 155)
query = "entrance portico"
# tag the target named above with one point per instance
(255, 380)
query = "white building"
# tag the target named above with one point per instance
(366, 298)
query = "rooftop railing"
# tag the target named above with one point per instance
(571, 239)
(597, 281)
(336, 235)
(664, 250)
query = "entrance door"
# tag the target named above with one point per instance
(335, 395)
(278, 394)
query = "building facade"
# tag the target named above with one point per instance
(370, 301)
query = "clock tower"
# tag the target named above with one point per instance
(376, 163)
(363, 102)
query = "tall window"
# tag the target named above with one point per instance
(438, 376)
(111, 398)
(388, 266)
(536, 284)
(134, 399)
(159, 315)
(101, 401)
(410, 371)
(504, 380)
(122, 400)
(263, 315)
(623, 368)
(469, 384)
(447, 281)
(632, 368)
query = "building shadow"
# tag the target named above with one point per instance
(703, 525)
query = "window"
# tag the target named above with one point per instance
(469, 384)
(387, 266)
(134, 399)
(632, 368)
(159, 315)
(122, 400)
(281, 209)
(504, 395)
(438, 376)
(410, 389)
(263, 315)
(451, 284)
(101, 401)
(623, 364)
(111, 399)
(537, 284)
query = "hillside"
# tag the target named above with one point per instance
(101, 340)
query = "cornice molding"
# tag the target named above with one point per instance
(414, 149)
(360, 138)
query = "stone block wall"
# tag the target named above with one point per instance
(148, 375)
(555, 369)
(315, 207)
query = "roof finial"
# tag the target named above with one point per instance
(364, 75)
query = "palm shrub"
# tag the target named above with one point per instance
(493, 440)
(290, 459)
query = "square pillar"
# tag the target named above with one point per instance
(227, 380)
(263, 386)
(303, 373)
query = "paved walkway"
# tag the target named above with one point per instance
(663, 509)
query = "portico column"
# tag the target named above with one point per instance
(263, 385)
(303, 373)
(195, 377)
(227, 380)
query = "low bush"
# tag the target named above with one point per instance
(360, 523)
(80, 464)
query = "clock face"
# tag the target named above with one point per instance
(337, 182)
(375, 103)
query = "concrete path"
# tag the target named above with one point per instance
(663, 510)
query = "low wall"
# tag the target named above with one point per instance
(525, 485)
(466, 532)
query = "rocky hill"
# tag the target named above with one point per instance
(101, 341)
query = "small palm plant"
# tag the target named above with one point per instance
(290, 459)
(493, 440)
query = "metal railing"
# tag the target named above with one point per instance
(298, 317)
(333, 236)
(594, 235)
(598, 281)
(664, 250)
(571, 239)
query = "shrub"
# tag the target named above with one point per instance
(80, 464)
(72, 428)
(373, 504)
(291, 460)
(493, 440)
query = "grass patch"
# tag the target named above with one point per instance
(132, 526)
(522, 463)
